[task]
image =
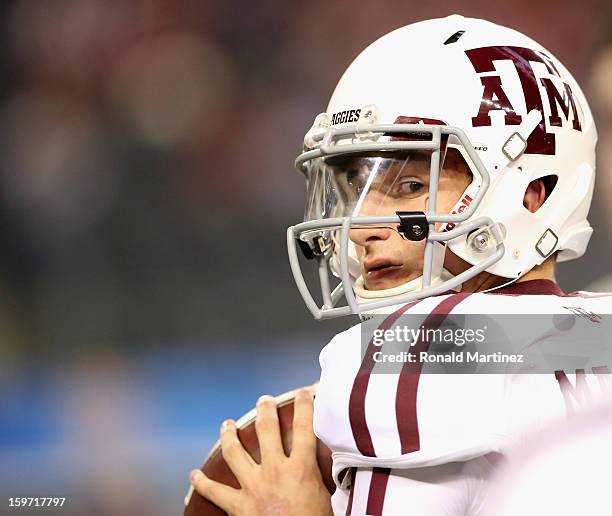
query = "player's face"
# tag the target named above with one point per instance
(387, 259)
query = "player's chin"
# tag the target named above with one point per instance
(390, 277)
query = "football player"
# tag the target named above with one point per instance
(453, 167)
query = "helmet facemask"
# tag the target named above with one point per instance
(386, 183)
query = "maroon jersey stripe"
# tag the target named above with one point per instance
(408, 384)
(530, 287)
(378, 488)
(349, 506)
(357, 415)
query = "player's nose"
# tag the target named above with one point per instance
(365, 235)
(372, 205)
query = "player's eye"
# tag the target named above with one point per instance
(408, 187)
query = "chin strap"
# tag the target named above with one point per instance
(364, 295)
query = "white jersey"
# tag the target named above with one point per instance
(564, 471)
(425, 443)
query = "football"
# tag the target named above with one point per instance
(215, 467)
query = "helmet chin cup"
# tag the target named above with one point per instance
(434, 280)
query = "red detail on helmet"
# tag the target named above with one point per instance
(418, 120)
(419, 137)
(466, 200)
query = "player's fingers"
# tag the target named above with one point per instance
(304, 440)
(224, 496)
(268, 430)
(237, 458)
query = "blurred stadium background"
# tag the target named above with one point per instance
(146, 183)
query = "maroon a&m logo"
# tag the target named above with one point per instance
(495, 98)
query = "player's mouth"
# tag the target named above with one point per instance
(378, 269)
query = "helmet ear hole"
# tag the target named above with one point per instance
(538, 192)
(549, 184)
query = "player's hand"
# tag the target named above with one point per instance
(280, 485)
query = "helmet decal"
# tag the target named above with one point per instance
(349, 115)
(540, 141)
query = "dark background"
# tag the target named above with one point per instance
(146, 184)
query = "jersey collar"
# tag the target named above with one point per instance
(537, 287)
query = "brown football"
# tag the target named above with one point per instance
(215, 467)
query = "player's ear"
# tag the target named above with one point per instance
(535, 195)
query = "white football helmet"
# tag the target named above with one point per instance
(504, 102)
